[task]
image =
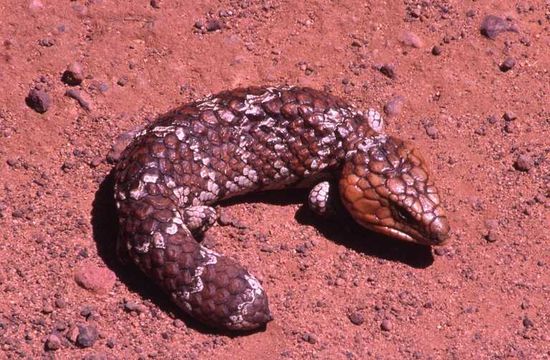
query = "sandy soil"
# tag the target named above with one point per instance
(335, 294)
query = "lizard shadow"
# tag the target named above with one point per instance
(105, 229)
(344, 230)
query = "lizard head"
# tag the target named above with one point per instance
(387, 188)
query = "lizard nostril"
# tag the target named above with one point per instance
(439, 229)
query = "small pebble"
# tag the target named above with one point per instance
(122, 81)
(491, 236)
(46, 42)
(60, 303)
(440, 251)
(509, 116)
(53, 342)
(155, 4)
(436, 50)
(134, 307)
(38, 100)
(87, 335)
(411, 39)
(394, 106)
(79, 97)
(213, 25)
(493, 25)
(386, 325)
(431, 131)
(388, 70)
(97, 279)
(524, 163)
(310, 338)
(507, 64)
(73, 75)
(356, 318)
(528, 322)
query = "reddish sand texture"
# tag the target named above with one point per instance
(476, 101)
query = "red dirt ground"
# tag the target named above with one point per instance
(334, 294)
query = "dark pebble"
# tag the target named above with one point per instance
(46, 42)
(436, 50)
(73, 75)
(38, 100)
(87, 335)
(524, 163)
(394, 106)
(388, 70)
(213, 25)
(493, 25)
(53, 342)
(528, 322)
(356, 318)
(386, 325)
(507, 64)
(310, 338)
(122, 81)
(155, 4)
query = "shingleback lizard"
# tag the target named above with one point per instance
(254, 139)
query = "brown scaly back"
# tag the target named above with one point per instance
(387, 187)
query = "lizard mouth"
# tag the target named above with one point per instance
(412, 235)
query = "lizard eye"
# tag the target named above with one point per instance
(403, 215)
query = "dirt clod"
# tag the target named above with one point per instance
(97, 279)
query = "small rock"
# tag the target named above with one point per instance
(507, 64)
(431, 131)
(46, 42)
(493, 25)
(509, 116)
(122, 81)
(130, 306)
(492, 236)
(178, 324)
(440, 251)
(394, 106)
(47, 309)
(213, 25)
(411, 39)
(492, 119)
(38, 100)
(198, 24)
(53, 342)
(155, 4)
(87, 336)
(356, 318)
(94, 278)
(79, 97)
(436, 50)
(386, 325)
(72, 334)
(60, 303)
(310, 338)
(73, 75)
(524, 163)
(388, 70)
(528, 322)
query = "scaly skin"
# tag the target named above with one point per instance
(258, 139)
